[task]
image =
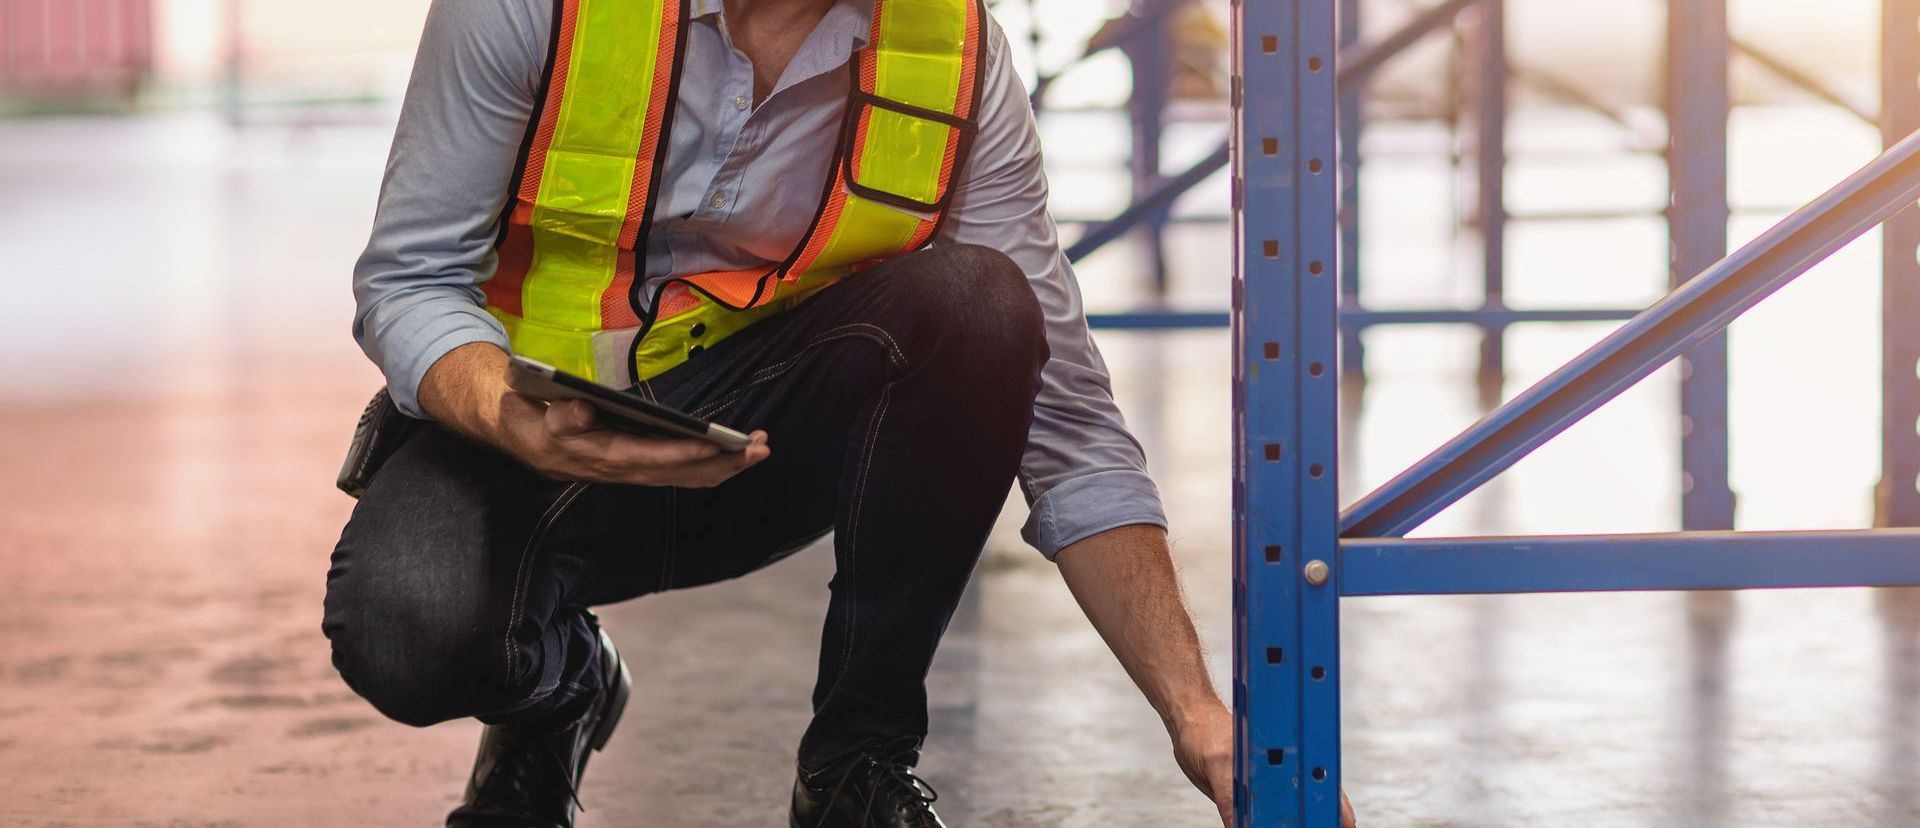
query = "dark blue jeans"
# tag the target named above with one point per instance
(897, 405)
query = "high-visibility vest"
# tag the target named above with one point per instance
(573, 235)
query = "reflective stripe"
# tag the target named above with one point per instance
(564, 348)
(924, 54)
(920, 45)
(585, 217)
(565, 259)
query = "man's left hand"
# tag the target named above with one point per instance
(1124, 580)
(1203, 745)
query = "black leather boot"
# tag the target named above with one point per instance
(528, 775)
(878, 790)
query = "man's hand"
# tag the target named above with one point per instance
(1203, 745)
(467, 391)
(1125, 582)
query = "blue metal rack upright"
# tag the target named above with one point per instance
(1297, 554)
(1286, 328)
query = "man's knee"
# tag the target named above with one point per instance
(419, 655)
(979, 298)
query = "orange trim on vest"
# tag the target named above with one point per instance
(616, 308)
(516, 247)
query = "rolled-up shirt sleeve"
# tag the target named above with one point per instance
(1083, 471)
(467, 107)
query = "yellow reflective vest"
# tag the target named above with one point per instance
(569, 281)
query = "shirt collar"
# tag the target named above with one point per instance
(847, 24)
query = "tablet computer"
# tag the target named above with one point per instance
(619, 409)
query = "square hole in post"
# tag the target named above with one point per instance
(1269, 44)
(1276, 756)
(1269, 146)
(1272, 451)
(1270, 248)
(1276, 655)
(1274, 554)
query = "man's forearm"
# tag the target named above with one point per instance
(1125, 582)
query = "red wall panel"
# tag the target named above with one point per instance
(68, 47)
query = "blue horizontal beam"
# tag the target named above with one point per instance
(1610, 563)
(1693, 312)
(1361, 318)
(1157, 320)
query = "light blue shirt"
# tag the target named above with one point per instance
(740, 187)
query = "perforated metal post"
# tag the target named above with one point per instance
(1697, 106)
(1285, 323)
(1899, 501)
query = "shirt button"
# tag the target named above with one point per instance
(718, 201)
(740, 102)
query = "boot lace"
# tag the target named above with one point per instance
(525, 764)
(889, 772)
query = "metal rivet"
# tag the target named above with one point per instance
(1316, 572)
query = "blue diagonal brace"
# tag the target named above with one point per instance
(1694, 311)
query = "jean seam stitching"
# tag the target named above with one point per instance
(520, 580)
(853, 524)
(772, 372)
(876, 334)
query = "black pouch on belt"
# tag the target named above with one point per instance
(381, 430)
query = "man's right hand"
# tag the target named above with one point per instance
(466, 390)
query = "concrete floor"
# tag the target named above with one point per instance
(176, 383)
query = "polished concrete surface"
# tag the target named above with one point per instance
(176, 383)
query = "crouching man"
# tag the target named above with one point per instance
(821, 220)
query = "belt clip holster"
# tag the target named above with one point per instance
(381, 431)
